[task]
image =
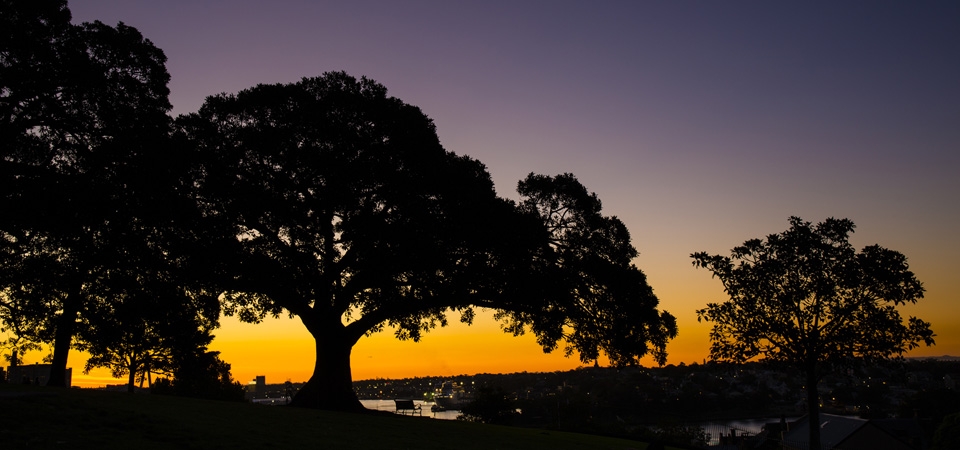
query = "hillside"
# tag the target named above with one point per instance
(38, 417)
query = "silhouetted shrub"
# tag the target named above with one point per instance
(948, 433)
(490, 405)
(202, 375)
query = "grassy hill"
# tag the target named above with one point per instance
(39, 417)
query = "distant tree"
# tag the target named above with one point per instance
(337, 204)
(139, 334)
(83, 121)
(21, 333)
(489, 405)
(934, 404)
(947, 435)
(686, 435)
(807, 297)
(200, 374)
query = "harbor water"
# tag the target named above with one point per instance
(390, 406)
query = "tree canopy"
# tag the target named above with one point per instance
(600, 302)
(807, 297)
(337, 204)
(325, 199)
(88, 182)
(147, 329)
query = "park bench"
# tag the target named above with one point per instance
(407, 405)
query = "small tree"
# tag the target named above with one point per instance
(200, 374)
(21, 335)
(947, 435)
(808, 298)
(489, 405)
(142, 332)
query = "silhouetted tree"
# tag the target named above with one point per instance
(489, 405)
(947, 435)
(807, 297)
(338, 205)
(139, 333)
(200, 374)
(83, 121)
(22, 332)
(933, 404)
(600, 301)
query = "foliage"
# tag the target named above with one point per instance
(200, 374)
(339, 201)
(600, 301)
(489, 405)
(140, 334)
(83, 118)
(22, 334)
(935, 404)
(325, 199)
(682, 434)
(807, 297)
(336, 203)
(947, 435)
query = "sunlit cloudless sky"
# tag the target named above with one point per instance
(699, 124)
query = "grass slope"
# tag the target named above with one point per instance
(39, 417)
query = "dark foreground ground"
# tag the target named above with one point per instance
(49, 418)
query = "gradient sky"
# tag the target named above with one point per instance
(699, 124)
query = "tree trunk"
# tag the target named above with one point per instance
(331, 385)
(131, 379)
(62, 340)
(813, 408)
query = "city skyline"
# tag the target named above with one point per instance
(698, 125)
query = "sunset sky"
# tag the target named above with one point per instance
(699, 124)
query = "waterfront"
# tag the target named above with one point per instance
(749, 427)
(714, 428)
(390, 406)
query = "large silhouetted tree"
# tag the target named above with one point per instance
(339, 205)
(83, 121)
(807, 297)
(342, 208)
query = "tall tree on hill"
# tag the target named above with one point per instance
(340, 207)
(808, 298)
(83, 121)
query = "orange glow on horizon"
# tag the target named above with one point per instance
(282, 349)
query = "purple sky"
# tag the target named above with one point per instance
(700, 124)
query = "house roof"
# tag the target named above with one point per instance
(833, 429)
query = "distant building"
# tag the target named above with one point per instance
(257, 388)
(853, 433)
(33, 374)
